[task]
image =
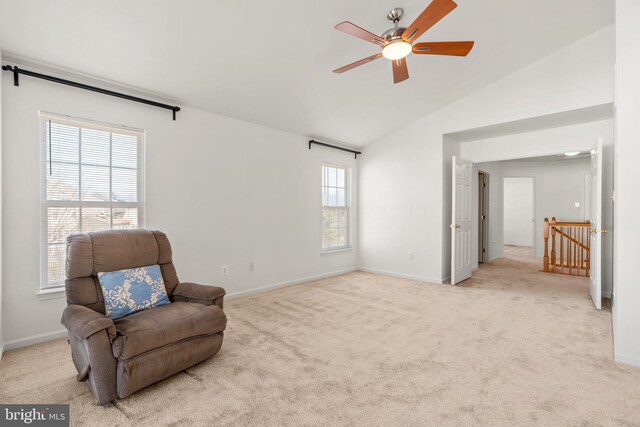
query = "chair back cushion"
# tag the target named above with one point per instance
(104, 251)
(131, 290)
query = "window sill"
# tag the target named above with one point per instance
(53, 293)
(336, 251)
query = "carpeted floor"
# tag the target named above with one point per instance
(512, 346)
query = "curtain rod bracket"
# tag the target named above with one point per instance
(16, 82)
(16, 74)
(355, 153)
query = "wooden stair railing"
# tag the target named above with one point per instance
(570, 247)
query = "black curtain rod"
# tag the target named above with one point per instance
(17, 71)
(335, 147)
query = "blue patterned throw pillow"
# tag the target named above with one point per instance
(131, 290)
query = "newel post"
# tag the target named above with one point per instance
(553, 243)
(546, 244)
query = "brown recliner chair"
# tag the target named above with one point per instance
(119, 357)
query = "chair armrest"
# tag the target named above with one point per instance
(82, 322)
(201, 294)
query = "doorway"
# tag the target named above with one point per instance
(483, 215)
(519, 214)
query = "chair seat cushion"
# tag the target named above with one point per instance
(157, 327)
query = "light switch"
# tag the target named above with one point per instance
(577, 204)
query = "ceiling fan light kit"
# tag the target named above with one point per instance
(397, 42)
(396, 50)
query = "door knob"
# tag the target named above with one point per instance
(596, 230)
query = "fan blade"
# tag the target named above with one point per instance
(443, 48)
(358, 63)
(400, 70)
(361, 33)
(437, 10)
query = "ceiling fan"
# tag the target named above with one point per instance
(398, 42)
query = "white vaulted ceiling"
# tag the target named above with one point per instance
(270, 62)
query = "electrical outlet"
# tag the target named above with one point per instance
(225, 270)
(252, 266)
(411, 256)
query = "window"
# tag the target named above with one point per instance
(335, 208)
(92, 179)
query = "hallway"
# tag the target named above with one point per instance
(518, 252)
(520, 273)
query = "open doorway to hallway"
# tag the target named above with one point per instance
(518, 200)
(523, 192)
(528, 192)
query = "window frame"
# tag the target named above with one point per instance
(43, 117)
(348, 192)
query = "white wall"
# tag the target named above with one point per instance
(1, 221)
(518, 211)
(403, 175)
(553, 140)
(626, 300)
(225, 191)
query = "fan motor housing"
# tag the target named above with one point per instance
(393, 33)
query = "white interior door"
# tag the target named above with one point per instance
(461, 220)
(595, 217)
(518, 217)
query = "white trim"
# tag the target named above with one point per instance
(92, 124)
(34, 339)
(51, 293)
(620, 358)
(337, 251)
(1, 351)
(403, 275)
(496, 258)
(607, 295)
(262, 289)
(37, 339)
(348, 203)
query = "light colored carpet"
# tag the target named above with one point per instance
(519, 252)
(510, 347)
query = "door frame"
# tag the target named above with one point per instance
(483, 210)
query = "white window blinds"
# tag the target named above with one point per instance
(92, 179)
(335, 208)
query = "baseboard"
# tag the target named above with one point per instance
(607, 295)
(620, 358)
(37, 339)
(34, 339)
(289, 283)
(402, 275)
(495, 258)
(1, 351)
